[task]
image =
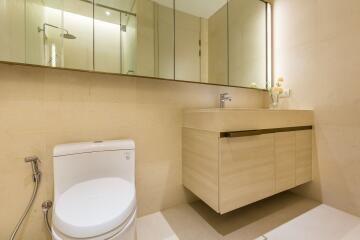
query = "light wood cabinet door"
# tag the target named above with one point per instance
(247, 170)
(284, 161)
(303, 156)
(201, 165)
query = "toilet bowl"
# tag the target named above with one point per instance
(94, 191)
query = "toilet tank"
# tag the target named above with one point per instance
(78, 162)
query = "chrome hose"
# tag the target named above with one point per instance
(36, 186)
(45, 208)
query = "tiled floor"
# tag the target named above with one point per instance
(322, 222)
(282, 217)
(197, 221)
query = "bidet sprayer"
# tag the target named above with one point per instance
(34, 165)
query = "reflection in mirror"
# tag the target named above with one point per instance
(115, 36)
(164, 39)
(218, 46)
(60, 33)
(247, 43)
(201, 41)
(134, 37)
(210, 41)
(78, 21)
(12, 24)
(155, 41)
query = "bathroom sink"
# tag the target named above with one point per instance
(243, 119)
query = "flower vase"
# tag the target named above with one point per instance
(274, 100)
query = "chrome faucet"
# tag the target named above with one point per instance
(223, 98)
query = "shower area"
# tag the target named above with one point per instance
(82, 34)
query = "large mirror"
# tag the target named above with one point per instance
(201, 41)
(224, 42)
(134, 37)
(60, 33)
(221, 42)
(12, 37)
(247, 43)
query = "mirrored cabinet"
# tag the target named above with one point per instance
(223, 42)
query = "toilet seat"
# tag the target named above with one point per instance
(95, 207)
(126, 226)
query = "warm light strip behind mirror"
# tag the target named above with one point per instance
(269, 45)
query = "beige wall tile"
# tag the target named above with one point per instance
(317, 51)
(40, 108)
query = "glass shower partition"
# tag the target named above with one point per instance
(115, 34)
(107, 51)
(128, 43)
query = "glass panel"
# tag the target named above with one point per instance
(44, 44)
(187, 42)
(60, 33)
(164, 39)
(247, 43)
(12, 37)
(218, 44)
(201, 41)
(128, 43)
(145, 55)
(155, 38)
(78, 38)
(107, 38)
(135, 37)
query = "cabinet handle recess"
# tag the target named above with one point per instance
(247, 133)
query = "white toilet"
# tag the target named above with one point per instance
(94, 191)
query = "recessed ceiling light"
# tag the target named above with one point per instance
(108, 13)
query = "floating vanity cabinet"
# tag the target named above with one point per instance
(230, 169)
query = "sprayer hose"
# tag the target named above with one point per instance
(36, 185)
(46, 219)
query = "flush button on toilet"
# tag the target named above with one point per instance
(127, 156)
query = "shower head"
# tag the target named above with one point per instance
(65, 35)
(68, 36)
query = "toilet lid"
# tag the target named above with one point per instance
(94, 207)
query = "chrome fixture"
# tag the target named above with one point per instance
(224, 97)
(34, 166)
(46, 206)
(65, 35)
(36, 178)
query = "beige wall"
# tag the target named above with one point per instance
(40, 108)
(204, 59)
(12, 22)
(187, 36)
(317, 51)
(145, 54)
(217, 47)
(247, 43)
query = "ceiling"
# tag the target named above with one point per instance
(124, 5)
(199, 8)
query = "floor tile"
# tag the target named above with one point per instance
(154, 227)
(322, 222)
(196, 221)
